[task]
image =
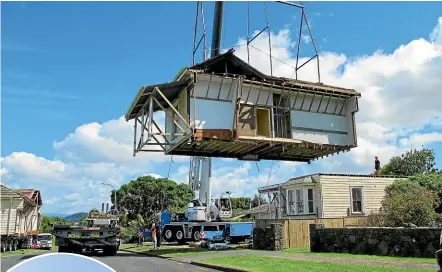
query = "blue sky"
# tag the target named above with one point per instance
(79, 64)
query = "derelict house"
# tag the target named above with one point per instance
(224, 107)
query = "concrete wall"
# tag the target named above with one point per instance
(405, 242)
(336, 199)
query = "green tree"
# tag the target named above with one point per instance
(241, 203)
(47, 223)
(146, 196)
(432, 182)
(411, 163)
(408, 202)
(256, 201)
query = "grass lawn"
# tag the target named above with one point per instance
(306, 251)
(21, 252)
(269, 264)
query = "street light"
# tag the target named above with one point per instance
(115, 194)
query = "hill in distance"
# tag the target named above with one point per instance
(76, 217)
(60, 215)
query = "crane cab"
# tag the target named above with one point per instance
(224, 205)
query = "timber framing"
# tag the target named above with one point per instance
(239, 77)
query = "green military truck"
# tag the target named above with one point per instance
(102, 232)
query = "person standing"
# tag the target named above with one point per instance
(158, 233)
(377, 166)
(154, 236)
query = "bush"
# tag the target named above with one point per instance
(408, 202)
(374, 220)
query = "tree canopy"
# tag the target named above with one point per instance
(411, 163)
(147, 196)
(47, 223)
(244, 203)
(417, 199)
(408, 202)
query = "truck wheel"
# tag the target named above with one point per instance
(196, 235)
(168, 235)
(179, 237)
(110, 251)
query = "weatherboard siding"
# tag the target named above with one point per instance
(336, 198)
(6, 206)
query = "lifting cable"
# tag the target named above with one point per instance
(270, 43)
(249, 40)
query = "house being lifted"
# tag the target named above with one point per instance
(224, 107)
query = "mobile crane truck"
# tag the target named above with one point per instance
(204, 214)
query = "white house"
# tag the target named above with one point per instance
(224, 107)
(20, 211)
(328, 195)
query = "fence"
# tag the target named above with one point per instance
(297, 232)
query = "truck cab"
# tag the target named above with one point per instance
(44, 240)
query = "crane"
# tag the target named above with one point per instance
(203, 208)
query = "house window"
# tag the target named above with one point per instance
(356, 200)
(291, 202)
(310, 200)
(299, 201)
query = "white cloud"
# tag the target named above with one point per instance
(51, 200)
(399, 92)
(72, 197)
(417, 139)
(399, 96)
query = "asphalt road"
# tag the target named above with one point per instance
(122, 262)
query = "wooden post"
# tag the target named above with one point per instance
(9, 215)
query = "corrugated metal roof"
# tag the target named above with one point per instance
(29, 195)
(26, 192)
(275, 186)
(349, 175)
(236, 66)
(170, 90)
(6, 192)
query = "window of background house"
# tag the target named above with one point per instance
(310, 200)
(291, 202)
(356, 199)
(299, 201)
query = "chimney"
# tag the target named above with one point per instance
(107, 207)
(102, 207)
